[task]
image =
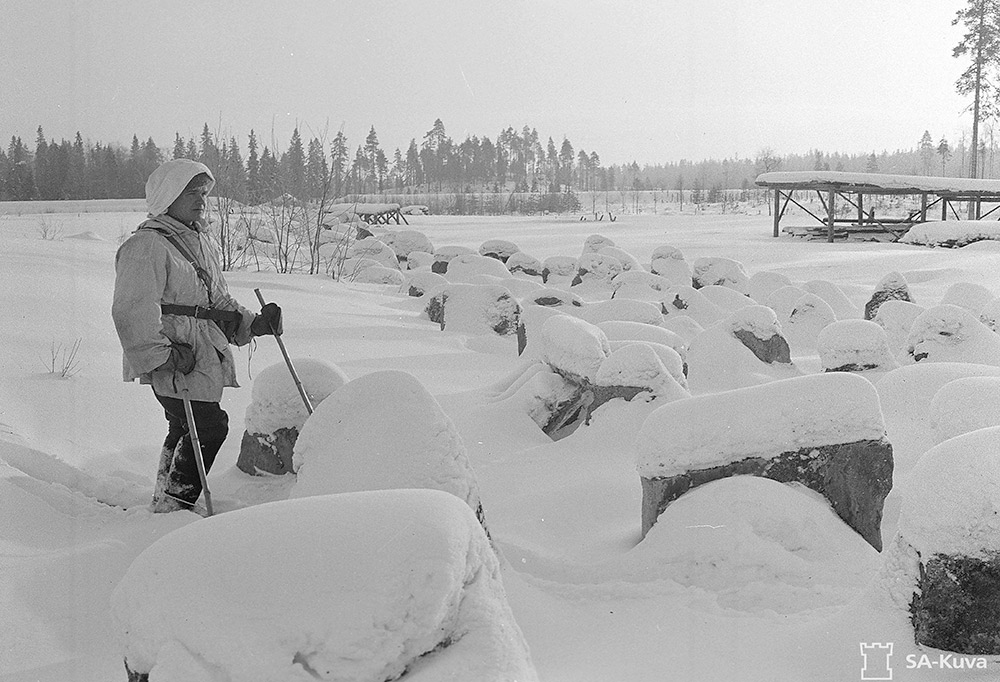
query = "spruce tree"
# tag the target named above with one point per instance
(981, 45)
(338, 162)
(254, 187)
(178, 146)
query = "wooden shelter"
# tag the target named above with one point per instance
(934, 192)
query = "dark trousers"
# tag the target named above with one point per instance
(212, 423)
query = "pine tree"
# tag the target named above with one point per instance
(338, 162)
(414, 172)
(944, 151)
(926, 152)
(981, 44)
(566, 162)
(254, 186)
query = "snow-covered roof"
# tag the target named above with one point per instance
(874, 183)
(360, 209)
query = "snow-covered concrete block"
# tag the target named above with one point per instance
(628, 261)
(947, 333)
(639, 284)
(682, 325)
(668, 262)
(825, 431)
(596, 267)
(522, 262)
(965, 405)
(891, 287)
(952, 233)
(635, 367)
(896, 318)
(573, 347)
(671, 359)
(559, 267)
(722, 271)
(595, 242)
(405, 242)
(807, 319)
(375, 249)
(379, 274)
(726, 298)
(420, 283)
(854, 346)
(764, 282)
(474, 308)
(276, 413)
(842, 306)
(419, 260)
(300, 590)
(783, 300)
(500, 249)
(945, 560)
(745, 349)
(444, 254)
(626, 309)
(972, 297)
(529, 327)
(382, 431)
(682, 299)
(464, 267)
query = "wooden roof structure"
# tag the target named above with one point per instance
(853, 187)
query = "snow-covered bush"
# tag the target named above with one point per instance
(300, 590)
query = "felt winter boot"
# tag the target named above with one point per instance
(165, 496)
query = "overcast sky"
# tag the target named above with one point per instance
(646, 80)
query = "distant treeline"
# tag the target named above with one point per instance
(514, 162)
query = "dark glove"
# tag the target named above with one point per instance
(268, 321)
(181, 359)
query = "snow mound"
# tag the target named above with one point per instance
(318, 595)
(559, 266)
(891, 287)
(947, 333)
(443, 255)
(783, 300)
(620, 330)
(965, 405)
(758, 544)
(464, 267)
(628, 261)
(953, 233)
(760, 421)
(722, 271)
(419, 260)
(420, 283)
(972, 297)
(550, 297)
(382, 431)
(88, 236)
(627, 309)
(951, 501)
(990, 315)
(896, 318)
(351, 268)
(682, 325)
(275, 402)
(854, 346)
(573, 346)
(672, 360)
(668, 262)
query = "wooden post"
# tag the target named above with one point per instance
(861, 209)
(944, 209)
(830, 198)
(979, 209)
(923, 207)
(777, 209)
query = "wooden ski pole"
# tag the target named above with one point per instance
(199, 459)
(288, 361)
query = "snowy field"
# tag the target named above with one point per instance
(723, 588)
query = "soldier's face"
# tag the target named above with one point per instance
(192, 205)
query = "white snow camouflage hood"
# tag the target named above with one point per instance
(168, 181)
